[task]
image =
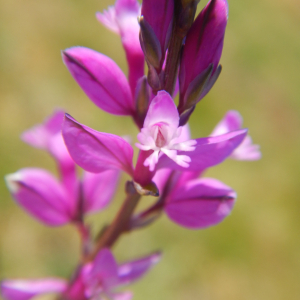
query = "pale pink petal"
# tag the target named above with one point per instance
(98, 189)
(246, 150)
(27, 289)
(132, 271)
(101, 79)
(209, 152)
(39, 135)
(122, 296)
(162, 109)
(39, 193)
(122, 19)
(96, 151)
(200, 203)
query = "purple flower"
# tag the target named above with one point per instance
(96, 280)
(55, 202)
(246, 150)
(201, 54)
(96, 151)
(122, 19)
(162, 134)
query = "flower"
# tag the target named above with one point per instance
(162, 134)
(95, 280)
(246, 150)
(55, 202)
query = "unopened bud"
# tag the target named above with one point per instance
(196, 88)
(185, 116)
(153, 78)
(150, 43)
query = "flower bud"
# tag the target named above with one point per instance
(159, 15)
(203, 48)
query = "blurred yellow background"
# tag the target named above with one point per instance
(255, 252)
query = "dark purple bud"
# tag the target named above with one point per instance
(159, 15)
(203, 47)
(142, 98)
(150, 44)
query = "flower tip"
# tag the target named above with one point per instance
(12, 182)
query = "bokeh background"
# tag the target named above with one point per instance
(254, 253)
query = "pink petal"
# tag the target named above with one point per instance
(122, 296)
(132, 271)
(98, 189)
(122, 19)
(246, 150)
(66, 164)
(209, 152)
(39, 193)
(200, 203)
(231, 121)
(96, 151)
(105, 268)
(162, 109)
(39, 135)
(101, 79)
(27, 289)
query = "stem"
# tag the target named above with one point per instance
(86, 242)
(120, 223)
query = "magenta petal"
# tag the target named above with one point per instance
(96, 151)
(98, 189)
(105, 268)
(39, 193)
(101, 79)
(131, 271)
(39, 135)
(200, 203)
(209, 152)
(162, 109)
(204, 43)
(27, 289)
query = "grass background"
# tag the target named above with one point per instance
(254, 253)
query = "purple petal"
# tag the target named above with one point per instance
(39, 135)
(39, 193)
(98, 189)
(105, 268)
(162, 109)
(96, 151)
(209, 152)
(159, 14)
(131, 271)
(200, 203)
(27, 289)
(204, 43)
(246, 150)
(101, 79)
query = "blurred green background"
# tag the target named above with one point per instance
(254, 253)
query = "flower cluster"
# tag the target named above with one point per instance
(182, 57)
